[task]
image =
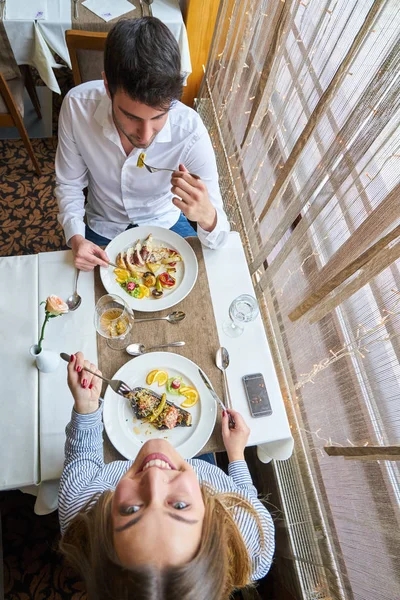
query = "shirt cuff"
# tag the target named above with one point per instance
(89, 421)
(74, 227)
(239, 471)
(217, 237)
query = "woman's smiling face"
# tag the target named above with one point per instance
(157, 509)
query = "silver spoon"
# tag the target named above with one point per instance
(137, 349)
(222, 362)
(75, 300)
(174, 317)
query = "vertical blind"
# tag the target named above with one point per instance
(302, 101)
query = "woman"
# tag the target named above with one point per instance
(158, 527)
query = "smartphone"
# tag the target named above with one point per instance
(257, 395)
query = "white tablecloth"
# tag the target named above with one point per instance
(33, 42)
(19, 414)
(28, 280)
(228, 277)
(69, 333)
(169, 12)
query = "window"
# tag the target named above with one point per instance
(303, 102)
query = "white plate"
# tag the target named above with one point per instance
(186, 272)
(128, 434)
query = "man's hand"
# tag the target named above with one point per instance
(86, 254)
(84, 387)
(193, 199)
(235, 440)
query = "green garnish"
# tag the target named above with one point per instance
(169, 387)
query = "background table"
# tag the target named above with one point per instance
(33, 42)
(228, 277)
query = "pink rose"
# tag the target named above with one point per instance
(55, 306)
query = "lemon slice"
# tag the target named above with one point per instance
(191, 395)
(150, 376)
(185, 388)
(145, 290)
(122, 274)
(161, 377)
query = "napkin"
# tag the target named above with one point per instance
(21, 10)
(107, 9)
(44, 62)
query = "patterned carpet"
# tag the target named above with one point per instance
(33, 570)
(28, 209)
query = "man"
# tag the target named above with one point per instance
(103, 128)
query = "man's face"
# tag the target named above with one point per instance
(137, 122)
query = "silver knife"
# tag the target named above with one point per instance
(216, 398)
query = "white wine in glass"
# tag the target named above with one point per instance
(113, 320)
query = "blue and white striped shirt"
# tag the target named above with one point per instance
(85, 475)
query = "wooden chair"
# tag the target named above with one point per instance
(30, 88)
(12, 111)
(86, 66)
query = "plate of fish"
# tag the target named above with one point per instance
(168, 400)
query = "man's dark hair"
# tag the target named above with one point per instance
(142, 57)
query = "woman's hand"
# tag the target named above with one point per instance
(235, 440)
(84, 387)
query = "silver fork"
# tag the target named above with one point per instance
(3, 6)
(117, 385)
(156, 169)
(75, 9)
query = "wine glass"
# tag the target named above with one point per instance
(113, 320)
(243, 309)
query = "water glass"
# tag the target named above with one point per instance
(242, 310)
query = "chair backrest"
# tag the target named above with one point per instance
(86, 50)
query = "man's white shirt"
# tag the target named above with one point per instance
(90, 154)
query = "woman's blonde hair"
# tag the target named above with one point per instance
(221, 564)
